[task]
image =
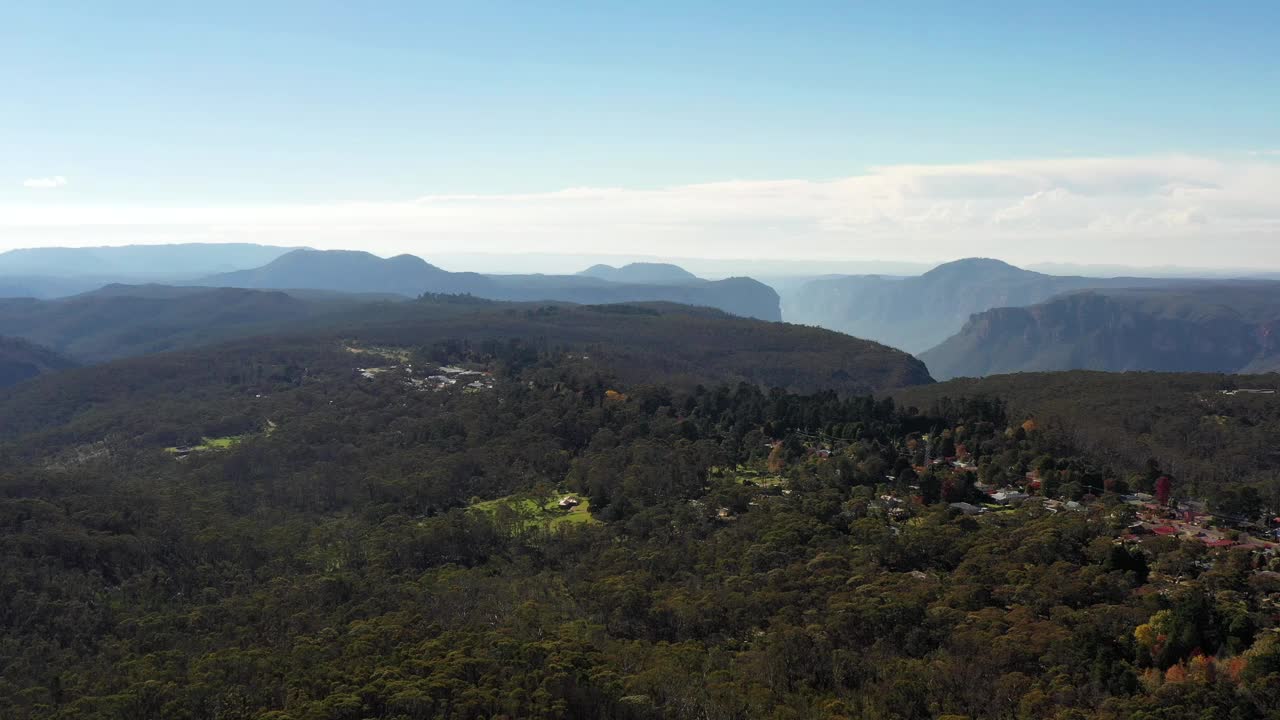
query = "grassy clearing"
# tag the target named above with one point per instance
(742, 475)
(547, 510)
(208, 444)
(399, 355)
(767, 481)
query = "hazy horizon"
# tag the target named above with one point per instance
(1085, 134)
(518, 263)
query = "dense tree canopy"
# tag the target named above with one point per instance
(275, 532)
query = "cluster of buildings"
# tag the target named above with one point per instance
(443, 378)
(1190, 521)
(451, 376)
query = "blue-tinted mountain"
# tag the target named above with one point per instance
(915, 313)
(644, 273)
(136, 261)
(361, 272)
(46, 286)
(1219, 328)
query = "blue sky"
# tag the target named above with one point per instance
(234, 104)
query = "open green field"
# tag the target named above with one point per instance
(208, 443)
(399, 355)
(547, 510)
(742, 475)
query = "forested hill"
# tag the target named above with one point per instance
(21, 360)
(638, 344)
(361, 272)
(122, 321)
(675, 344)
(1210, 429)
(1202, 328)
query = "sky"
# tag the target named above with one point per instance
(1086, 132)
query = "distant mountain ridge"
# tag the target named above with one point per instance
(642, 273)
(137, 261)
(351, 271)
(915, 313)
(1231, 328)
(122, 321)
(360, 272)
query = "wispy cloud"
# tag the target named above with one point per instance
(45, 183)
(1181, 209)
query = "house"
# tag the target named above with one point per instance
(1192, 516)
(1009, 497)
(569, 501)
(1165, 530)
(967, 509)
(1221, 543)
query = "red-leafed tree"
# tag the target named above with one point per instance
(1164, 487)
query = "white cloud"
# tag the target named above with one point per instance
(1183, 209)
(45, 183)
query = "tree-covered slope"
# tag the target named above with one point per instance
(640, 344)
(1193, 424)
(345, 544)
(123, 321)
(22, 360)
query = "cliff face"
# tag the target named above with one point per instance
(746, 297)
(916, 313)
(1207, 329)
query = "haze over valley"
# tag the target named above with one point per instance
(974, 316)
